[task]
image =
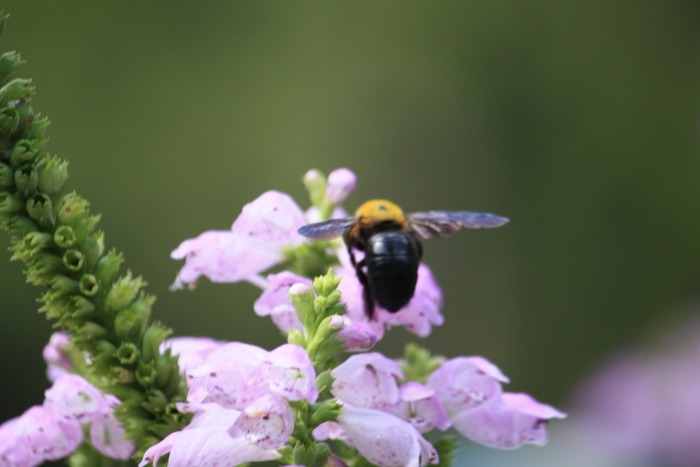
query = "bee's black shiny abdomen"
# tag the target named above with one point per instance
(392, 260)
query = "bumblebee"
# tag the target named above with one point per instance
(389, 238)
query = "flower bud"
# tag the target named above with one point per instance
(108, 267)
(123, 292)
(25, 150)
(8, 60)
(63, 285)
(341, 182)
(127, 353)
(17, 89)
(7, 177)
(315, 184)
(121, 375)
(152, 339)
(73, 260)
(9, 203)
(40, 208)
(304, 455)
(26, 180)
(19, 225)
(92, 249)
(81, 306)
(145, 374)
(89, 285)
(53, 174)
(130, 321)
(9, 121)
(91, 331)
(302, 298)
(64, 236)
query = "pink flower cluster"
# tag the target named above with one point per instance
(257, 241)
(54, 429)
(240, 396)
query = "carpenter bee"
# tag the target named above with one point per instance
(389, 238)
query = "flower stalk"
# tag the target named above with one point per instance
(86, 294)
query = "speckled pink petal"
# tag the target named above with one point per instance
(367, 380)
(266, 423)
(72, 397)
(274, 301)
(507, 423)
(273, 217)
(290, 373)
(107, 437)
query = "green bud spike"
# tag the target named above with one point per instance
(7, 177)
(8, 62)
(9, 203)
(64, 237)
(121, 375)
(9, 121)
(26, 180)
(324, 285)
(53, 174)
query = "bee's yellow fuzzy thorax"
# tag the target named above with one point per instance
(379, 210)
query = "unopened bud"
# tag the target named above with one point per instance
(26, 180)
(341, 182)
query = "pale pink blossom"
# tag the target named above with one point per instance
(274, 301)
(191, 351)
(290, 373)
(55, 355)
(267, 423)
(255, 242)
(507, 422)
(419, 406)
(72, 397)
(367, 380)
(341, 182)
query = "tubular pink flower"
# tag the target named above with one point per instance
(385, 440)
(507, 422)
(73, 398)
(206, 443)
(341, 182)
(290, 373)
(466, 382)
(55, 355)
(275, 302)
(108, 437)
(191, 351)
(419, 407)
(358, 337)
(266, 423)
(367, 380)
(254, 243)
(37, 436)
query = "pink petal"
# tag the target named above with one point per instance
(290, 373)
(341, 182)
(191, 351)
(275, 301)
(367, 380)
(73, 398)
(266, 423)
(108, 437)
(273, 218)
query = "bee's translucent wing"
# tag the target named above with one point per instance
(443, 223)
(326, 230)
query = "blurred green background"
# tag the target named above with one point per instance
(579, 120)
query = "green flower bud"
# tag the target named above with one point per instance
(7, 176)
(92, 331)
(81, 306)
(304, 455)
(123, 292)
(64, 237)
(130, 321)
(26, 180)
(73, 261)
(302, 299)
(326, 411)
(40, 208)
(26, 115)
(127, 353)
(9, 203)
(17, 89)
(145, 374)
(108, 267)
(34, 129)
(164, 368)
(315, 183)
(324, 381)
(19, 225)
(120, 375)
(323, 452)
(157, 401)
(295, 336)
(8, 61)
(324, 285)
(89, 285)
(92, 249)
(25, 150)
(320, 305)
(34, 242)
(53, 174)
(62, 285)
(9, 121)
(45, 263)
(152, 339)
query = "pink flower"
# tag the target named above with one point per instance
(73, 398)
(357, 337)
(384, 439)
(419, 406)
(254, 243)
(341, 182)
(206, 442)
(275, 302)
(466, 382)
(56, 356)
(37, 436)
(191, 351)
(108, 437)
(266, 423)
(507, 422)
(367, 380)
(290, 373)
